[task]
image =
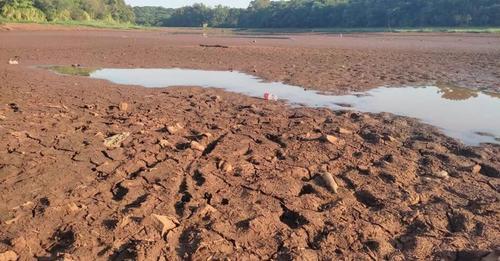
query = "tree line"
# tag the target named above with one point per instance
(328, 13)
(66, 10)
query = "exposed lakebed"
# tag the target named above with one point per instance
(469, 115)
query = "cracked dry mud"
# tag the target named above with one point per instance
(205, 174)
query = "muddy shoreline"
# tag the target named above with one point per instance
(202, 173)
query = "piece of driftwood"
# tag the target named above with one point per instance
(214, 45)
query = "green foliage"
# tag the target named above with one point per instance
(71, 70)
(334, 13)
(66, 10)
(152, 16)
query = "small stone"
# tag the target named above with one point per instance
(216, 98)
(441, 174)
(115, 141)
(227, 167)
(175, 128)
(476, 169)
(197, 146)
(207, 134)
(343, 131)
(8, 256)
(389, 138)
(164, 143)
(2, 117)
(165, 223)
(123, 106)
(13, 62)
(330, 138)
(330, 182)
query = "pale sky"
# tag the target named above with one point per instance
(180, 3)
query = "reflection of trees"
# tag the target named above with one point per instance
(493, 94)
(455, 93)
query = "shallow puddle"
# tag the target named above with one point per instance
(471, 116)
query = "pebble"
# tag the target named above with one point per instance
(164, 143)
(441, 174)
(115, 141)
(174, 129)
(343, 131)
(330, 182)
(330, 138)
(166, 223)
(8, 256)
(476, 169)
(123, 106)
(197, 146)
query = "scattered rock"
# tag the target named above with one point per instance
(175, 128)
(330, 138)
(115, 141)
(441, 174)
(216, 98)
(164, 143)
(343, 131)
(165, 223)
(330, 182)
(389, 138)
(476, 169)
(197, 146)
(8, 256)
(123, 106)
(2, 117)
(225, 166)
(13, 61)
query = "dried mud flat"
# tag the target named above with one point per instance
(204, 174)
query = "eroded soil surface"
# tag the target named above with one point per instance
(203, 174)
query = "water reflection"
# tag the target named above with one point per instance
(456, 93)
(460, 113)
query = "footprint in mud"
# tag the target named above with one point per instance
(198, 178)
(489, 171)
(307, 189)
(189, 241)
(373, 245)
(244, 224)
(136, 203)
(276, 139)
(40, 207)
(292, 219)
(183, 145)
(119, 192)
(127, 251)
(186, 198)
(110, 224)
(369, 200)
(64, 239)
(387, 177)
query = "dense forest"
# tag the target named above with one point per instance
(266, 13)
(66, 10)
(330, 13)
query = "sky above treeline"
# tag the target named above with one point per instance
(180, 3)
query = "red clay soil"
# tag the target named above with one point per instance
(204, 174)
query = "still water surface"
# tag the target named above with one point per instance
(468, 115)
